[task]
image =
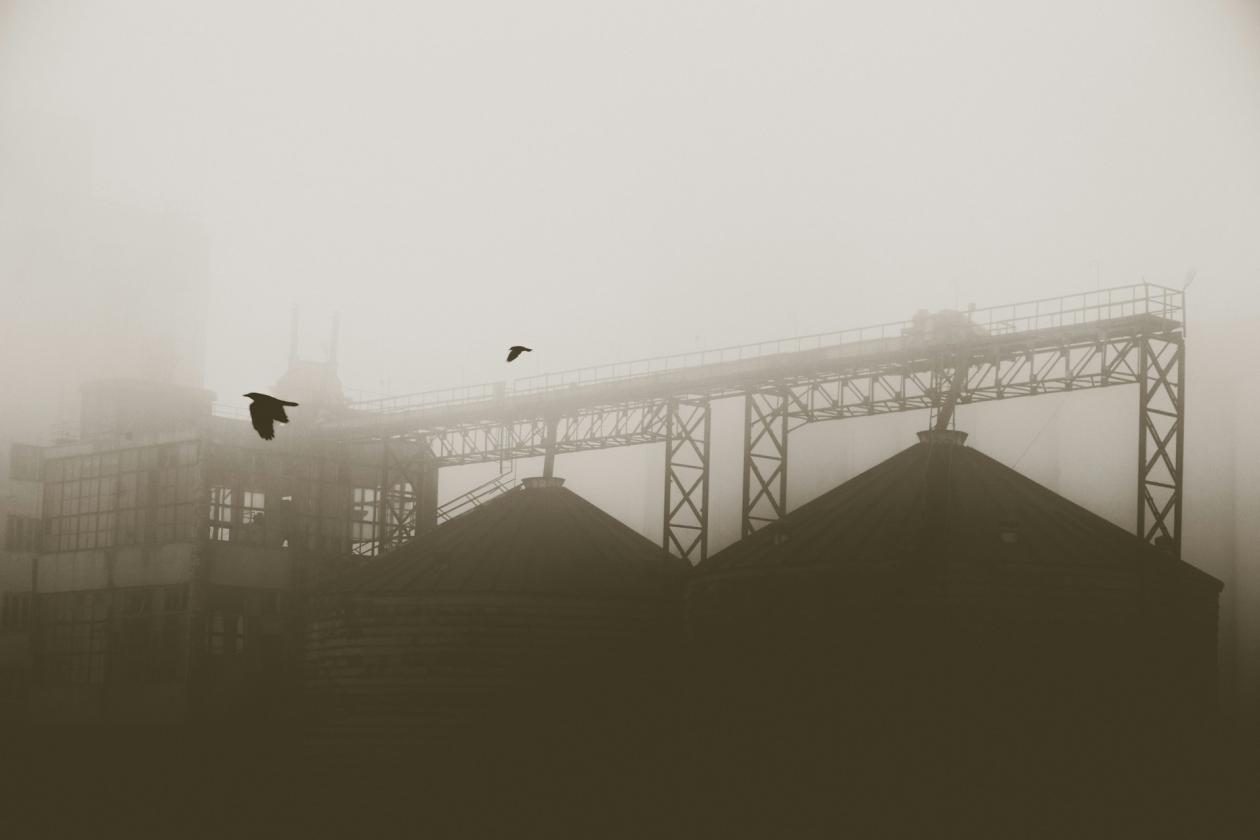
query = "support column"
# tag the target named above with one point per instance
(686, 529)
(765, 458)
(1161, 432)
(407, 502)
(549, 448)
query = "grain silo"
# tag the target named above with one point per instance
(527, 619)
(942, 635)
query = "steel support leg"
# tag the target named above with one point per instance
(686, 531)
(1161, 432)
(407, 495)
(765, 458)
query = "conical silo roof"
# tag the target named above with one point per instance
(940, 497)
(537, 538)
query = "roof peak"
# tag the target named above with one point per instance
(952, 437)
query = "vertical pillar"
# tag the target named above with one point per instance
(549, 448)
(1161, 423)
(765, 458)
(407, 504)
(686, 529)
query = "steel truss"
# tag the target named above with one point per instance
(686, 531)
(1161, 423)
(408, 487)
(1000, 372)
(766, 415)
(1129, 336)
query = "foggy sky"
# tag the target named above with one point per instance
(605, 182)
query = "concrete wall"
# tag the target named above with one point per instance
(249, 566)
(104, 568)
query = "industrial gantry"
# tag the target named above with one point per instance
(1128, 335)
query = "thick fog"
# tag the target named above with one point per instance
(606, 182)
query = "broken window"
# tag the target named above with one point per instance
(251, 506)
(253, 522)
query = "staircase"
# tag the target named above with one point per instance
(478, 495)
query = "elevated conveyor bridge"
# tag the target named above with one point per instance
(1127, 335)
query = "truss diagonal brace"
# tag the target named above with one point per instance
(1161, 434)
(408, 493)
(686, 530)
(765, 457)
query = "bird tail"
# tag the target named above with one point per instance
(285, 402)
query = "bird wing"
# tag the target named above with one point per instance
(280, 416)
(516, 351)
(262, 421)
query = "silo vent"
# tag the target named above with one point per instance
(542, 481)
(939, 436)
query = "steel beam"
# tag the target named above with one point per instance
(686, 527)
(1161, 424)
(405, 498)
(999, 373)
(765, 457)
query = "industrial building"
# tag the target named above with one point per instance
(938, 623)
(156, 578)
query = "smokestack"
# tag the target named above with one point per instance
(293, 337)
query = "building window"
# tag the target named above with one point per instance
(21, 533)
(363, 524)
(253, 522)
(251, 506)
(221, 513)
(15, 611)
(124, 497)
(147, 633)
(74, 641)
(227, 633)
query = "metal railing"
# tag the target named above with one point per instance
(1027, 316)
(462, 395)
(477, 496)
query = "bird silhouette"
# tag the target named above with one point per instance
(516, 350)
(265, 411)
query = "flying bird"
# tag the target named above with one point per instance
(516, 350)
(265, 411)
